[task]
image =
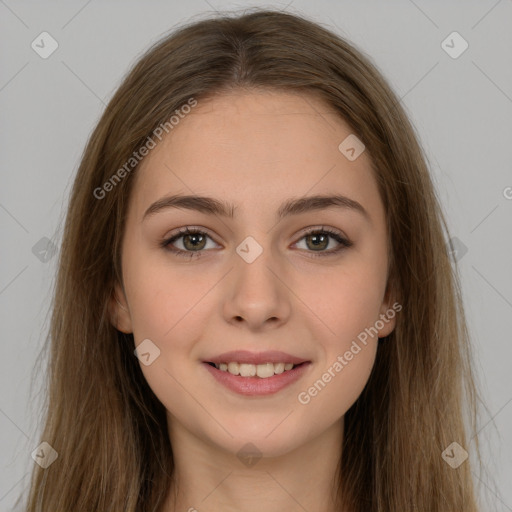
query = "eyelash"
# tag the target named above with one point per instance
(166, 244)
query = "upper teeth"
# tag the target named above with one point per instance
(250, 370)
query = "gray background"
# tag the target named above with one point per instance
(461, 108)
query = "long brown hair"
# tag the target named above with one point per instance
(104, 421)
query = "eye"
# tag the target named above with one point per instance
(193, 241)
(319, 239)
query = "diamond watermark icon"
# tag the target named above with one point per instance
(454, 455)
(44, 249)
(44, 45)
(351, 147)
(147, 352)
(454, 45)
(249, 249)
(44, 455)
(249, 454)
(456, 248)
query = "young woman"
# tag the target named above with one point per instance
(255, 306)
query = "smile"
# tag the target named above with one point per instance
(256, 374)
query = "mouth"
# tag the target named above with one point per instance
(254, 374)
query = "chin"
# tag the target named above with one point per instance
(273, 438)
(246, 446)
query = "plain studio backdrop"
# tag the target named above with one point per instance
(449, 62)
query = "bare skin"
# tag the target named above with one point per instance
(255, 150)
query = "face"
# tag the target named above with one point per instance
(268, 280)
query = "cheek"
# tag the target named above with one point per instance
(163, 299)
(349, 380)
(346, 302)
(331, 393)
(166, 308)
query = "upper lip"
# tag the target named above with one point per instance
(244, 356)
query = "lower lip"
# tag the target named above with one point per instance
(256, 386)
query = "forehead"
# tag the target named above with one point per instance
(255, 148)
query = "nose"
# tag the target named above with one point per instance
(256, 293)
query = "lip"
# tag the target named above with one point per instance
(256, 386)
(244, 356)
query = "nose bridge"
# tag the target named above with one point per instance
(254, 278)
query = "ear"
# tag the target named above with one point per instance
(387, 314)
(119, 313)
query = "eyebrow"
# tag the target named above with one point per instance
(212, 206)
